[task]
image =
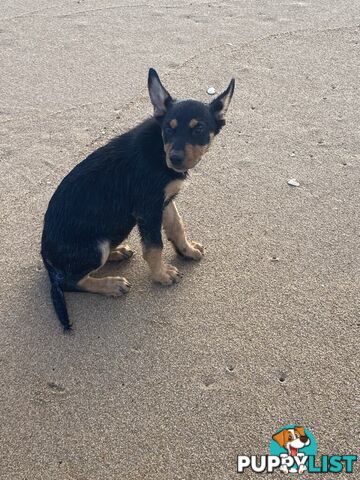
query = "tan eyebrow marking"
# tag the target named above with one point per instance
(173, 123)
(193, 123)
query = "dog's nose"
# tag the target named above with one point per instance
(177, 157)
(304, 439)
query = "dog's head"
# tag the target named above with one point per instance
(292, 439)
(188, 126)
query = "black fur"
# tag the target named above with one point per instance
(118, 186)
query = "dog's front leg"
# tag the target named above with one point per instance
(152, 245)
(175, 232)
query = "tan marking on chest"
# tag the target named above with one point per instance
(172, 189)
(105, 251)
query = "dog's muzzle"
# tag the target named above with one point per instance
(176, 160)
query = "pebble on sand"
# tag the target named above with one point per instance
(293, 182)
(211, 91)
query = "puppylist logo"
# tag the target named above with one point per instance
(293, 450)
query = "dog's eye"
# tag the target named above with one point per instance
(168, 131)
(200, 128)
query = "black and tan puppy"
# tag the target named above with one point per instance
(132, 180)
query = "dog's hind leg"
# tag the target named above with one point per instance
(175, 232)
(111, 286)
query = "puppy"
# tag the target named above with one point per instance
(133, 180)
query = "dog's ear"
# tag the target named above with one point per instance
(300, 431)
(221, 103)
(280, 438)
(159, 96)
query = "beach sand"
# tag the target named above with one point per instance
(173, 384)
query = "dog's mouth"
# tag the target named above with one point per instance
(184, 159)
(293, 451)
(178, 168)
(184, 167)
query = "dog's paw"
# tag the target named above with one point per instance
(168, 275)
(284, 469)
(116, 286)
(198, 250)
(123, 252)
(193, 251)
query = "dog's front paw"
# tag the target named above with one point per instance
(192, 251)
(167, 275)
(197, 250)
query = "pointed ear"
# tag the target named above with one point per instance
(159, 96)
(220, 105)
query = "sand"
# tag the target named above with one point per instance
(173, 384)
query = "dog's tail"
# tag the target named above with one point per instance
(57, 294)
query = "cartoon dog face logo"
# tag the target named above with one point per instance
(292, 439)
(294, 445)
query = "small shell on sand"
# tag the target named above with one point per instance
(293, 182)
(211, 91)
